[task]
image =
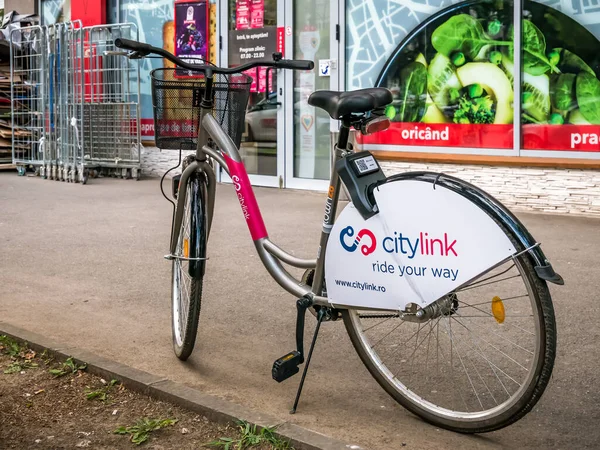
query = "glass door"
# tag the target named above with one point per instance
(308, 149)
(252, 35)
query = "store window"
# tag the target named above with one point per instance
(312, 144)
(452, 69)
(252, 37)
(54, 11)
(560, 67)
(450, 80)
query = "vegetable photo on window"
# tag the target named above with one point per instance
(466, 55)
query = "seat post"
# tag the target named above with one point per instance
(342, 142)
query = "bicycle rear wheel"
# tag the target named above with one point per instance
(480, 364)
(187, 274)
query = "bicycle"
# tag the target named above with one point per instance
(442, 289)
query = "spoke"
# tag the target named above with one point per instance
(500, 351)
(377, 324)
(437, 347)
(417, 345)
(463, 364)
(398, 348)
(452, 376)
(487, 317)
(185, 309)
(486, 360)
(492, 276)
(386, 335)
(505, 374)
(503, 299)
(483, 381)
(489, 330)
(412, 364)
(490, 315)
(469, 287)
(411, 336)
(428, 345)
(184, 285)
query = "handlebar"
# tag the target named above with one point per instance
(142, 49)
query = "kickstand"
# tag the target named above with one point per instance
(320, 316)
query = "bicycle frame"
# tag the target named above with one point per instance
(271, 255)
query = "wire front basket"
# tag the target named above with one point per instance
(176, 100)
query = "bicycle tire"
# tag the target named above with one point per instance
(185, 317)
(494, 418)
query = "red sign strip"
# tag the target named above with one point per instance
(577, 138)
(281, 40)
(443, 135)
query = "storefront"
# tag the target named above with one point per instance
(505, 95)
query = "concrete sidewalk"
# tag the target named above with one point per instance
(83, 265)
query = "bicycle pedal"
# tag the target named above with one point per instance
(286, 366)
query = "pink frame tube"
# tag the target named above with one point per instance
(246, 197)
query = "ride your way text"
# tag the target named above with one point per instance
(417, 271)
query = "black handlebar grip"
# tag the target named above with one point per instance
(135, 46)
(295, 64)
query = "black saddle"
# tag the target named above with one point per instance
(340, 104)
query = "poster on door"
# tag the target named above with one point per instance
(250, 45)
(191, 32)
(251, 41)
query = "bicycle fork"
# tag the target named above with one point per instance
(192, 168)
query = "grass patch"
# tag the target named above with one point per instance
(68, 367)
(140, 431)
(100, 394)
(250, 437)
(19, 366)
(10, 346)
(21, 356)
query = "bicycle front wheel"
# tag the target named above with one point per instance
(480, 364)
(188, 271)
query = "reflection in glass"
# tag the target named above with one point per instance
(152, 18)
(54, 11)
(311, 125)
(259, 144)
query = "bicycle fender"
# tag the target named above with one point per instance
(198, 224)
(496, 210)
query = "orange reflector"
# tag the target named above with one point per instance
(186, 248)
(498, 309)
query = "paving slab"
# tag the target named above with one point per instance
(82, 265)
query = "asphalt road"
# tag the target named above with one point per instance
(83, 265)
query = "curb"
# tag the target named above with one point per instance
(214, 408)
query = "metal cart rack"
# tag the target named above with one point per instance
(28, 92)
(78, 103)
(111, 122)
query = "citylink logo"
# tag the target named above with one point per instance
(365, 249)
(399, 243)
